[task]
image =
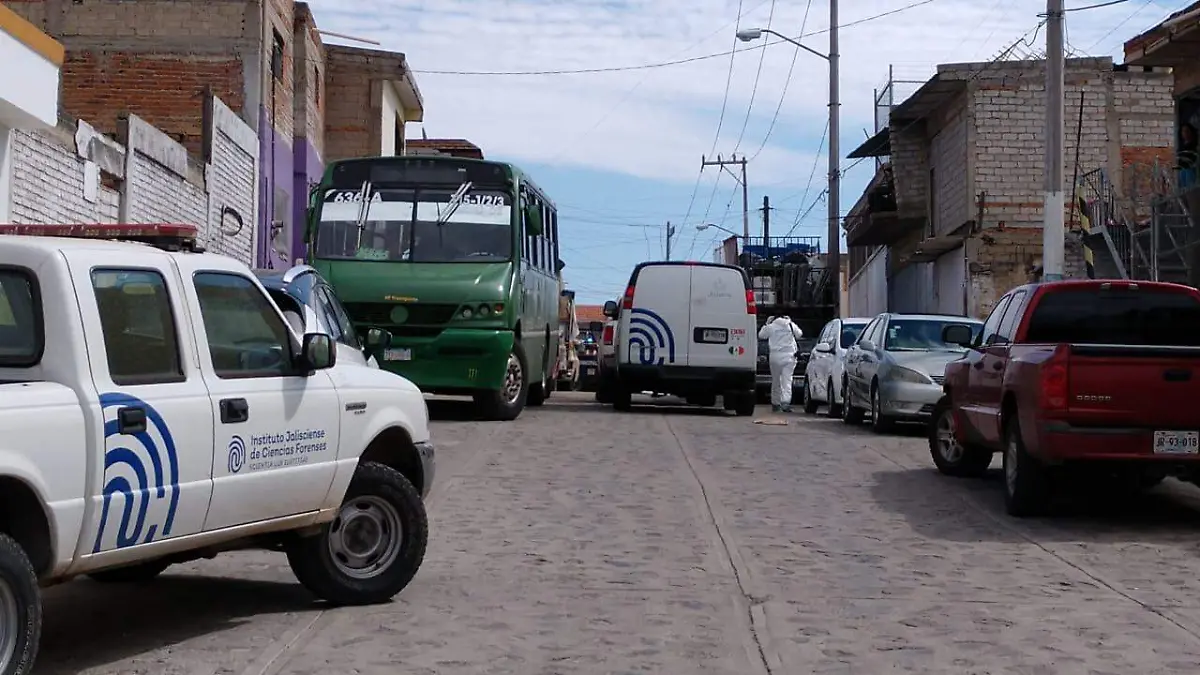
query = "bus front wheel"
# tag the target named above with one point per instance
(507, 402)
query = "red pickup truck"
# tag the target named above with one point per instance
(1095, 378)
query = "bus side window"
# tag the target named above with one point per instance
(549, 248)
(553, 220)
(524, 232)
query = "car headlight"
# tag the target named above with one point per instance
(909, 375)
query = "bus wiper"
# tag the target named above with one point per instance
(456, 200)
(364, 206)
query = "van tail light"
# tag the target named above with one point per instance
(627, 300)
(1055, 380)
(751, 305)
(607, 337)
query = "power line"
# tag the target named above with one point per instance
(786, 83)
(1124, 21)
(665, 64)
(762, 56)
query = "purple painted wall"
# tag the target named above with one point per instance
(276, 197)
(308, 169)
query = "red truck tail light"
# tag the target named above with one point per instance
(627, 300)
(751, 306)
(607, 336)
(1055, 381)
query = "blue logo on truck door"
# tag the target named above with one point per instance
(141, 471)
(648, 336)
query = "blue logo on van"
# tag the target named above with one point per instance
(649, 335)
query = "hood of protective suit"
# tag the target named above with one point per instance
(781, 335)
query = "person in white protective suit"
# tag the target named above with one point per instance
(781, 335)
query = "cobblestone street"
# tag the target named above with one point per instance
(681, 541)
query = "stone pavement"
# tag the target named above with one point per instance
(681, 542)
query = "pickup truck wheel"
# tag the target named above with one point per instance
(131, 574)
(834, 410)
(1027, 487)
(374, 546)
(507, 403)
(810, 404)
(20, 609)
(951, 457)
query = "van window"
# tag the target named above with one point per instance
(1116, 316)
(21, 338)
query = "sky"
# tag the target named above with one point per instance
(618, 147)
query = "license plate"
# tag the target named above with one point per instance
(1176, 442)
(397, 354)
(590, 371)
(718, 336)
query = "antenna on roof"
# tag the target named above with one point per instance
(349, 37)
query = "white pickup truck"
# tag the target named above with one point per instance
(156, 408)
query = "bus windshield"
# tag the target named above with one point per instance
(403, 226)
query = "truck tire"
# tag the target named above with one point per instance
(622, 398)
(131, 574)
(374, 546)
(506, 403)
(20, 609)
(1027, 482)
(949, 456)
(743, 405)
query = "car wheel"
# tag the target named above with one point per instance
(131, 574)
(20, 609)
(833, 410)
(810, 404)
(507, 402)
(1027, 488)
(880, 423)
(850, 414)
(949, 456)
(372, 548)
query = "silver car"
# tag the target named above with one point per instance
(896, 368)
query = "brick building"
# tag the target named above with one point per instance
(952, 218)
(157, 59)
(372, 96)
(454, 147)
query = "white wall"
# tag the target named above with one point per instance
(5, 171)
(393, 110)
(949, 278)
(868, 293)
(28, 88)
(53, 182)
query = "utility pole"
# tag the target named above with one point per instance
(723, 163)
(670, 233)
(1053, 230)
(834, 234)
(766, 222)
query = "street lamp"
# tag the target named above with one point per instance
(834, 232)
(701, 228)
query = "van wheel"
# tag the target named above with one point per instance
(131, 574)
(507, 403)
(374, 546)
(744, 404)
(20, 609)
(622, 398)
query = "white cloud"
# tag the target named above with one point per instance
(656, 123)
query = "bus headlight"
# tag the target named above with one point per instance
(467, 313)
(484, 311)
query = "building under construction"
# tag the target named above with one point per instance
(790, 276)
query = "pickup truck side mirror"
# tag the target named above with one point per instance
(378, 338)
(958, 334)
(823, 348)
(610, 309)
(317, 352)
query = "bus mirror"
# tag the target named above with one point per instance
(533, 221)
(559, 265)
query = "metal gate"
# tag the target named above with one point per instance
(949, 277)
(911, 291)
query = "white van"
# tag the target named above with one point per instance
(686, 329)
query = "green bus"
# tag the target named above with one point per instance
(458, 259)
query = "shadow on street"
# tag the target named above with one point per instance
(88, 624)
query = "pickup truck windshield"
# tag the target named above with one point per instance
(402, 226)
(20, 332)
(1116, 316)
(909, 335)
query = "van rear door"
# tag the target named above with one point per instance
(1134, 357)
(722, 331)
(654, 315)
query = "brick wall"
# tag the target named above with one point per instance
(948, 159)
(56, 176)
(231, 170)
(909, 158)
(309, 76)
(350, 128)
(75, 174)
(278, 101)
(1001, 259)
(1187, 77)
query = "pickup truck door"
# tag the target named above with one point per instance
(154, 478)
(988, 372)
(276, 430)
(971, 401)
